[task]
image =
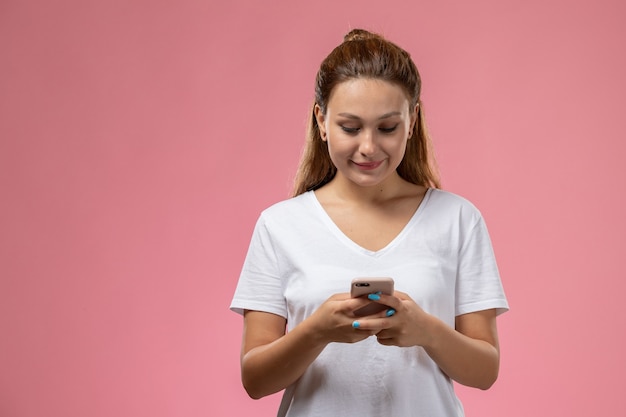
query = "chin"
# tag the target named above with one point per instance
(369, 182)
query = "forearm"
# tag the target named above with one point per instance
(469, 361)
(270, 368)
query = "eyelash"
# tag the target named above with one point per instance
(354, 130)
(388, 129)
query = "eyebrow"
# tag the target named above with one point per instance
(384, 116)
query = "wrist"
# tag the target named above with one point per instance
(313, 334)
(435, 329)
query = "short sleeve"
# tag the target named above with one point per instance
(260, 287)
(478, 281)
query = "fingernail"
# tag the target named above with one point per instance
(355, 324)
(390, 312)
(374, 297)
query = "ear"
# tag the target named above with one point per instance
(414, 116)
(321, 119)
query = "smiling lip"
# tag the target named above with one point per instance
(366, 166)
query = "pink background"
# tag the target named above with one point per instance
(139, 140)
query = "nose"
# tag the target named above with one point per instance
(367, 144)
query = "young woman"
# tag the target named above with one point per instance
(367, 203)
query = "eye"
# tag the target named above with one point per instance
(351, 130)
(388, 129)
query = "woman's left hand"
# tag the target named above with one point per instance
(469, 353)
(408, 325)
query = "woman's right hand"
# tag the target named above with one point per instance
(271, 359)
(333, 320)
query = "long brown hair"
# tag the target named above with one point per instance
(366, 55)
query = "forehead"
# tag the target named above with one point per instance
(367, 96)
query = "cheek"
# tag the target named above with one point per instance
(399, 150)
(336, 143)
(339, 151)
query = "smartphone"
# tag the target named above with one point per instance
(364, 286)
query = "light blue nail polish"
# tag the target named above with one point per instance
(390, 312)
(355, 324)
(374, 297)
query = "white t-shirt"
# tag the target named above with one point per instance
(443, 259)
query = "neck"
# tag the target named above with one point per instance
(345, 190)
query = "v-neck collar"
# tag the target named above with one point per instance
(328, 221)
